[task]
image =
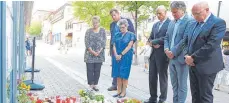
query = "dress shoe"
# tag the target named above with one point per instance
(160, 101)
(122, 96)
(116, 95)
(95, 89)
(112, 88)
(148, 101)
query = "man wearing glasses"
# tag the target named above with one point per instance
(204, 54)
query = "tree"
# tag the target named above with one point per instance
(85, 10)
(140, 11)
(34, 29)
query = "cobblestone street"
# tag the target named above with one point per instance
(65, 74)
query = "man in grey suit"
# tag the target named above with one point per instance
(177, 66)
(158, 60)
(204, 54)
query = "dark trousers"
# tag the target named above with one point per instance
(93, 73)
(201, 86)
(158, 67)
(114, 82)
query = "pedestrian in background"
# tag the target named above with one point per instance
(28, 47)
(147, 52)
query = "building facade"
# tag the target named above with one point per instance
(13, 19)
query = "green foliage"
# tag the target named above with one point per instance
(34, 29)
(99, 97)
(88, 96)
(143, 8)
(85, 10)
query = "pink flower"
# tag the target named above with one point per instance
(29, 94)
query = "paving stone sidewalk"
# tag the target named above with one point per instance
(56, 82)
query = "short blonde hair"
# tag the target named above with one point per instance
(97, 18)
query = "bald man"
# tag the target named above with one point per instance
(204, 54)
(158, 61)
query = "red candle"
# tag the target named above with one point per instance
(63, 101)
(67, 100)
(58, 100)
(39, 101)
(74, 99)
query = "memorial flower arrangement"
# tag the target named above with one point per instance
(23, 93)
(129, 100)
(88, 96)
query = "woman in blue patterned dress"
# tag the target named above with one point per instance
(123, 54)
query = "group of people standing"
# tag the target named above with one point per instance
(187, 45)
(121, 51)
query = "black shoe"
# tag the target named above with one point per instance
(121, 96)
(148, 101)
(95, 89)
(160, 101)
(112, 88)
(116, 95)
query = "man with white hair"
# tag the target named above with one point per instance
(158, 61)
(204, 54)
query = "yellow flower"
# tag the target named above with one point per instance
(28, 87)
(24, 86)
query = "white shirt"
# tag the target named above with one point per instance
(205, 20)
(161, 23)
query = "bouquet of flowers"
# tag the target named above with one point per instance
(130, 100)
(89, 97)
(23, 91)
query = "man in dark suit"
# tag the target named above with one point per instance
(158, 64)
(204, 54)
(116, 16)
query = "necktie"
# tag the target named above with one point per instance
(159, 26)
(198, 28)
